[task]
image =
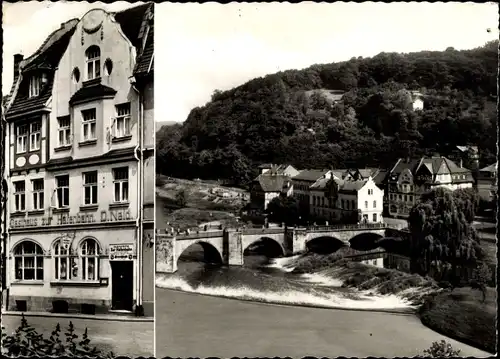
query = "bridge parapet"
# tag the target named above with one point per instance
(262, 231)
(347, 227)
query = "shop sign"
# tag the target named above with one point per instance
(64, 219)
(121, 252)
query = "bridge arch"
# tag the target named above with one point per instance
(264, 245)
(365, 241)
(325, 244)
(211, 254)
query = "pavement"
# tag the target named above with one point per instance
(122, 335)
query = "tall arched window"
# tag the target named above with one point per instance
(28, 261)
(64, 265)
(93, 55)
(89, 257)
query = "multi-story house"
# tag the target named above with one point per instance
(302, 183)
(268, 186)
(487, 185)
(339, 200)
(81, 168)
(409, 179)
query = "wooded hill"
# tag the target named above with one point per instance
(289, 117)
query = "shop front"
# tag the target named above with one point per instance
(90, 268)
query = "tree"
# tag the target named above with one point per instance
(284, 209)
(482, 279)
(442, 349)
(181, 198)
(442, 235)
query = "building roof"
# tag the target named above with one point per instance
(48, 58)
(352, 186)
(436, 165)
(49, 54)
(380, 177)
(310, 175)
(145, 59)
(95, 91)
(491, 168)
(272, 182)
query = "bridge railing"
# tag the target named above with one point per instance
(190, 234)
(249, 231)
(347, 227)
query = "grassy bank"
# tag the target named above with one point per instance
(203, 202)
(461, 315)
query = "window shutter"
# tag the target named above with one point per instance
(54, 200)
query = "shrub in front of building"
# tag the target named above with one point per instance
(25, 341)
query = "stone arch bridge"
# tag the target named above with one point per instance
(228, 246)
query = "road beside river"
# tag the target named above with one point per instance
(193, 325)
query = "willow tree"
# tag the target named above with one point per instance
(442, 235)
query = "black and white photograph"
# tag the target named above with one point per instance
(78, 184)
(326, 179)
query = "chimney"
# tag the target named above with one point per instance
(17, 60)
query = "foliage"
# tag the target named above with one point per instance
(441, 349)
(283, 210)
(181, 198)
(25, 341)
(290, 117)
(482, 279)
(442, 235)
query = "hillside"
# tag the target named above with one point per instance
(296, 117)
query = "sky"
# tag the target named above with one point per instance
(203, 47)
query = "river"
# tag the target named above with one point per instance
(197, 314)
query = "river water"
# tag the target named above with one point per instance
(270, 280)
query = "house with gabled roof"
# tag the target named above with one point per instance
(409, 179)
(267, 186)
(338, 200)
(80, 164)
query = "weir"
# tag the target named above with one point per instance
(231, 243)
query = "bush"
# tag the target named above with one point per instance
(441, 350)
(25, 341)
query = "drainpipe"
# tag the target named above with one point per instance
(140, 194)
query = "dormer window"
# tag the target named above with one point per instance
(36, 84)
(93, 55)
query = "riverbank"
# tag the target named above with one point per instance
(461, 315)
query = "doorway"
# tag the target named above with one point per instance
(122, 291)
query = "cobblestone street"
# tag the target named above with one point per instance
(122, 338)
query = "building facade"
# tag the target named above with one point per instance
(409, 179)
(81, 168)
(346, 201)
(266, 187)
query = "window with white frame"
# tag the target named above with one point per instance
(64, 264)
(374, 204)
(93, 57)
(62, 191)
(89, 124)
(89, 259)
(22, 138)
(370, 192)
(20, 196)
(37, 189)
(36, 84)
(121, 124)
(64, 131)
(120, 182)
(28, 261)
(35, 134)
(366, 204)
(90, 188)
